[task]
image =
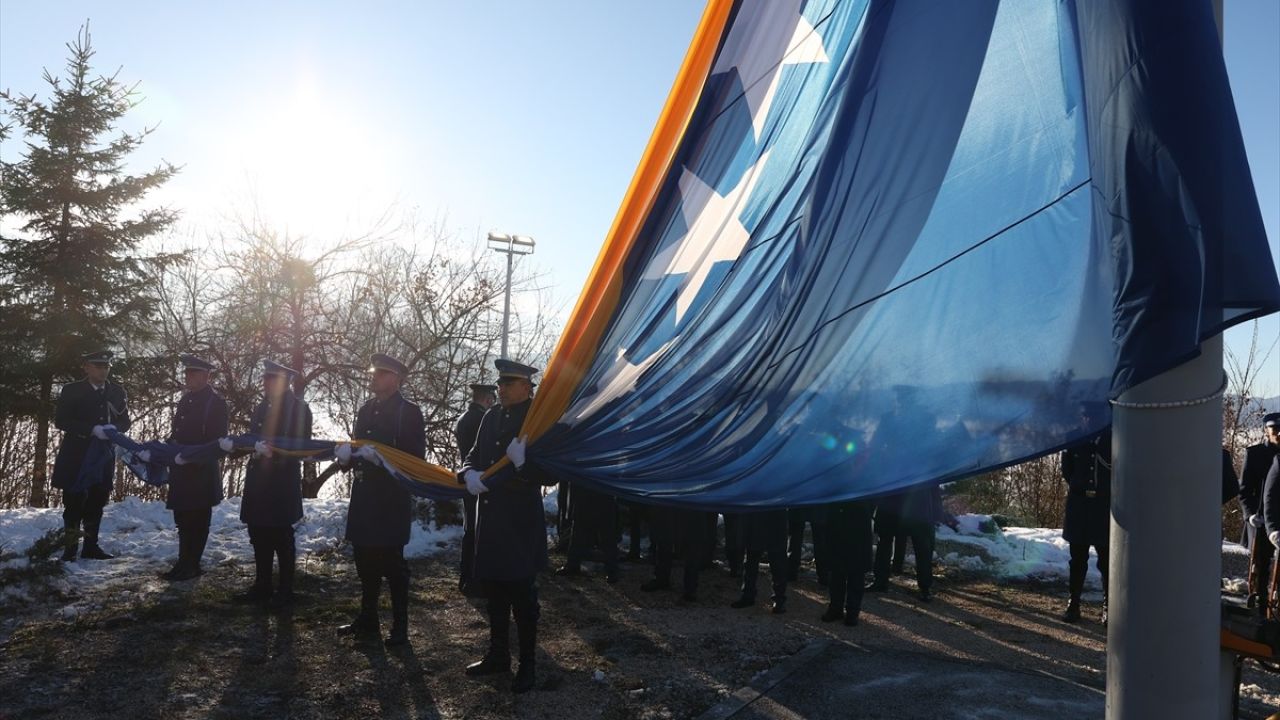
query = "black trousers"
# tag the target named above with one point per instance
(683, 531)
(922, 536)
(796, 519)
(508, 598)
(850, 554)
(635, 528)
(733, 550)
(1079, 566)
(1261, 557)
(468, 541)
(777, 571)
(271, 542)
(193, 534)
(596, 529)
(85, 507)
(373, 563)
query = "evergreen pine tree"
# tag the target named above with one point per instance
(72, 275)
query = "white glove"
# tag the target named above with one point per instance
(99, 431)
(1256, 520)
(515, 451)
(179, 460)
(261, 449)
(367, 453)
(1275, 538)
(145, 456)
(343, 454)
(226, 444)
(475, 485)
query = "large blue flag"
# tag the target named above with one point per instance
(897, 242)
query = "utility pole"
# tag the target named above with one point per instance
(511, 245)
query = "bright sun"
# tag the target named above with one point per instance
(311, 164)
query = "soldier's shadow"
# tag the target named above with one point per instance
(267, 676)
(402, 687)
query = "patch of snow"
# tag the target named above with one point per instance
(142, 537)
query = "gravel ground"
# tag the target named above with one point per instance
(178, 651)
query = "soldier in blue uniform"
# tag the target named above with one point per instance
(85, 407)
(1087, 522)
(915, 515)
(380, 514)
(849, 554)
(764, 532)
(272, 500)
(1257, 461)
(464, 433)
(1271, 524)
(195, 488)
(593, 521)
(679, 531)
(511, 530)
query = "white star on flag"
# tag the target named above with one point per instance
(778, 35)
(715, 234)
(707, 215)
(620, 380)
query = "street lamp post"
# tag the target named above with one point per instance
(511, 245)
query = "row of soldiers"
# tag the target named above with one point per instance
(504, 546)
(508, 533)
(844, 544)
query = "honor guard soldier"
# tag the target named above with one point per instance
(1253, 476)
(85, 408)
(380, 513)
(593, 519)
(464, 433)
(195, 488)
(763, 532)
(272, 500)
(1087, 522)
(511, 530)
(849, 533)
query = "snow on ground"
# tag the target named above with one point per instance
(1016, 553)
(142, 537)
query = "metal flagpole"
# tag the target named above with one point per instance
(1163, 651)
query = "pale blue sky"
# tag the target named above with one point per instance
(517, 117)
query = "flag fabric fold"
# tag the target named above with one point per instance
(419, 477)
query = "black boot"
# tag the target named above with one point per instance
(91, 550)
(525, 676)
(70, 545)
(260, 591)
(284, 597)
(195, 551)
(399, 613)
(366, 621)
(1072, 615)
(832, 614)
(497, 659)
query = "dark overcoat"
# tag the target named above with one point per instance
(381, 510)
(1087, 469)
(273, 486)
(201, 417)
(511, 527)
(80, 407)
(464, 431)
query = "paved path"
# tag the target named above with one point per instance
(837, 679)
